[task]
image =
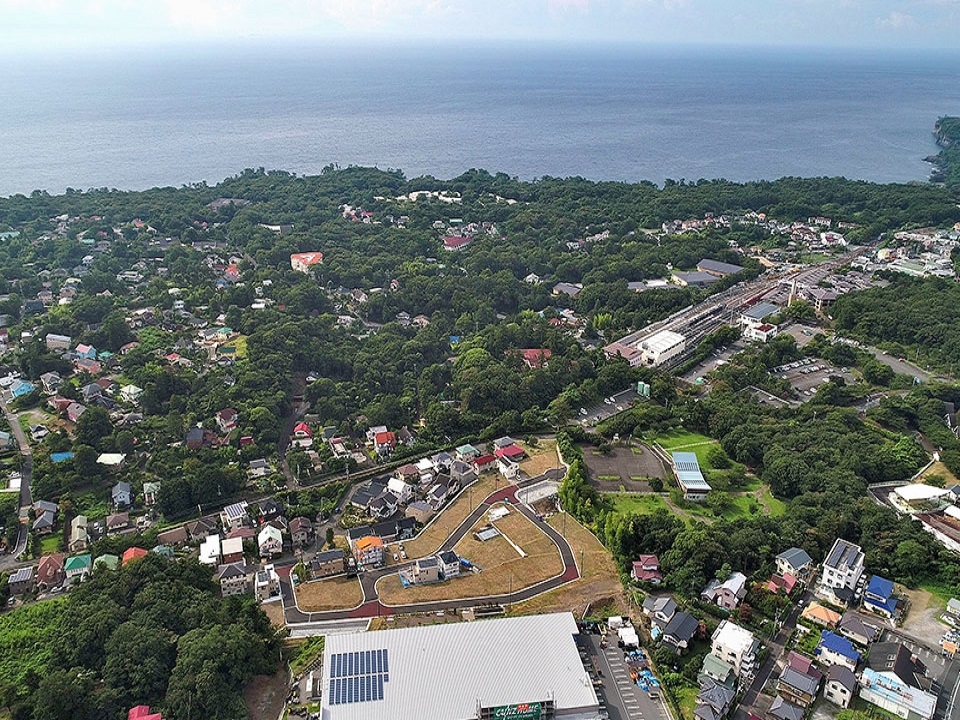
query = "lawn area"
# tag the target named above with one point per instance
(940, 592)
(334, 593)
(503, 567)
(687, 700)
(430, 540)
(639, 503)
(50, 544)
(600, 581)
(680, 440)
(777, 507)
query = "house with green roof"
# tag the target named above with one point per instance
(720, 671)
(77, 567)
(111, 562)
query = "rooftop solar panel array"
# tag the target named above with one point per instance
(358, 676)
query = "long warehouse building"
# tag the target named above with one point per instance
(523, 668)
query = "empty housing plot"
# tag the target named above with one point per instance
(503, 568)
(442, 525)
(336, 593)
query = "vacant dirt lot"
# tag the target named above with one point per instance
(503, 567)
(274, 611)
(923, 616)
(439, 530)
(329, 594)
(600, 581)
(543, 457)
(623, 468)
(939, 469)
(265, 694)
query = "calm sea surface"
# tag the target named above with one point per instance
(161, 117)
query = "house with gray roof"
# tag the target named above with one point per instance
(713, 701)
(794, 561)
(785, 710)
(841, 685)
(680, 630)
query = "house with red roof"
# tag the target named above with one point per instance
(384, 442)
(536, 358)
(485, 463)
(227, 420)
(785, 582)
(511, 452)
(453, 243)
(303, 262)
(131, 554)
(647, 569)
(302, 430)
(142, 712)
(50, 571)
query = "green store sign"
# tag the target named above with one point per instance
(524, 711)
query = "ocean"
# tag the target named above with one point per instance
(172, 116)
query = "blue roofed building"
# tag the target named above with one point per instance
(19, 388)
(689, 476)
(879, 597)
(836, 650)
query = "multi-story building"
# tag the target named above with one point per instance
(842, 570)
(737, 646)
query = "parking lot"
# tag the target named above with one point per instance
(808, 374)
(619, 696)
(593, 414)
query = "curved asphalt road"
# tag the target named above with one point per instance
(372, 607)
(26, 500)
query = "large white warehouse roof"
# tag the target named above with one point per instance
(447, 672)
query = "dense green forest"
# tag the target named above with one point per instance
(818, 458)
(947, 162)
(153, 632)
(911, 317)
(399, 374)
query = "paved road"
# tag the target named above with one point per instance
(901, 367)
(26, 498)
(372, 607)
(776, 648)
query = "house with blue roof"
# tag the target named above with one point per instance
(879, 597)
(19, 388)
(836, 650)
(689, 477)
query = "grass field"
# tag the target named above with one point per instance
(681, 440)
(687, 700)
(447, 521)
(641, 504)
(600, 581)
(503, 568)
(329, 594)
(50, 544)
(777, 507)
